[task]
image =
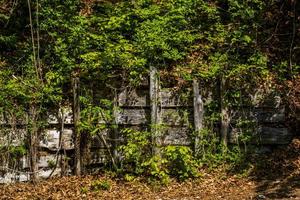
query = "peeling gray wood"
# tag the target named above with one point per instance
(44, 160)
(50, 139)
(175, 136)
(115, 133)
(154, 101)
(68, 117)
(13, 137)
(169, 116)
(171, 98)
(134, 97)
(13, 177)
(133, 116)
(141, 98)
(198, 114)
(225, 120)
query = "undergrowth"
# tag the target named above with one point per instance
(179, 162)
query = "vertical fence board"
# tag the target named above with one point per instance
(224, 111)
(198, 114)
(154, 102)
(76, 119)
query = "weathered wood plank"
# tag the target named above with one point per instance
(134, 97)
(263, 135)
(141, 98)
(46, 159)
(175, 136)
(155, 112)
(170, 98)
(198, 114)
(13, 137)
(50, 139)
(133, 116)
(68, 117)
(177, 117)
(260, 115)
(169, 116)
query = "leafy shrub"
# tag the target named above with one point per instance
(51, 164)
(136, 150)
(129, 177)
(100, 185)
(84, 190)
(180, 161)
(155, 168)
(175, 162)
(18, 151)
(213, 153)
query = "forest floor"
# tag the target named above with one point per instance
(273, 176)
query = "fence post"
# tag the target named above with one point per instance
(115, 133)
(224, 111)
(154, 102)
(76, 119)
(198, 114)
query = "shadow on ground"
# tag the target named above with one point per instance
(277, 174)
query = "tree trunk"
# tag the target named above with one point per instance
(76, 119)
(33, 151)
(198, 115)
(154, 101)
(62, 143)
(84, 151)
(115, 133)
(225, 120)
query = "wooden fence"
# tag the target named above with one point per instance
(138, 108)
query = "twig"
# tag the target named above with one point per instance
(10, 12)
(106, 145)
(293, 37)
(59, 143)
(32, 39)
(100, 136)
(38, 41)
(277, 24)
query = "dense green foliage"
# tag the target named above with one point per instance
(99, 40)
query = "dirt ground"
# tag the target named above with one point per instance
(273, 176)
